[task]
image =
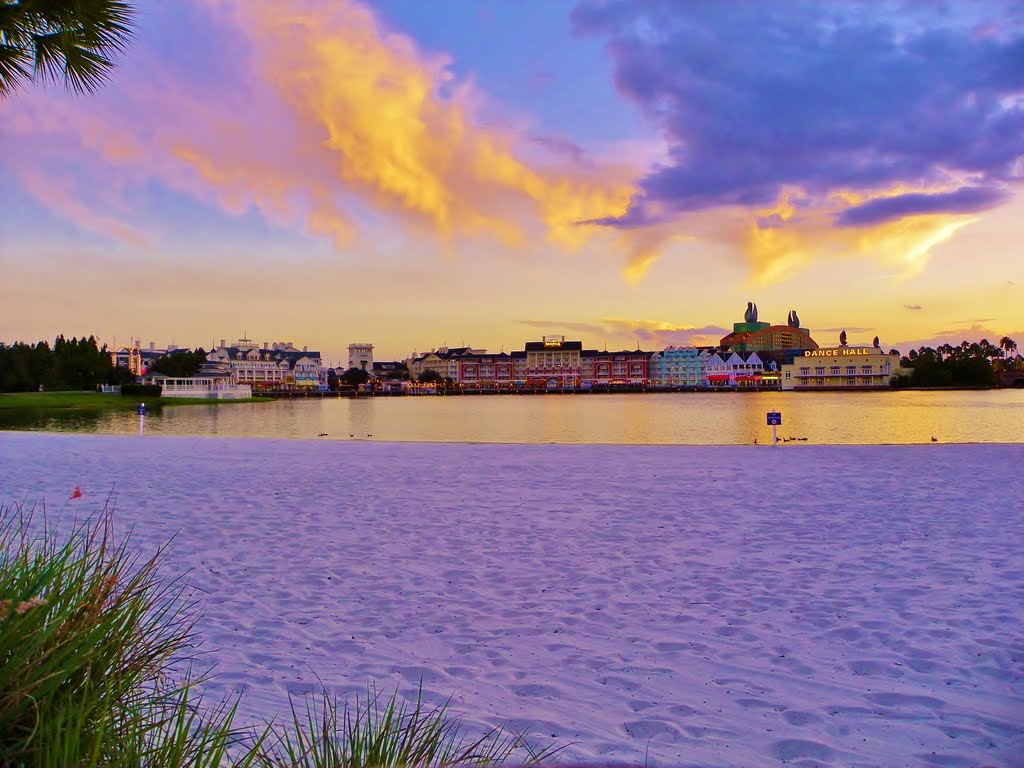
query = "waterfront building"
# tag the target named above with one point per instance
(716, 373)
(518, 358)
(485, 370)
(553, 363)
(614, 368)
(277, 366)
(360, 356)
(677, 367)
(842, 367)
(212, 387)
(138, 359)
(740, 370)
(392, 369)
(444, 360)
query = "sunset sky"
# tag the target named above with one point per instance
(471, 172)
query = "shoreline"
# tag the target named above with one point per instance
(797, 445)
(694, 605)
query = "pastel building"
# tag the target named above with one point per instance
(678, 367)
(740, 370)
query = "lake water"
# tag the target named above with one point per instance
(727, 418)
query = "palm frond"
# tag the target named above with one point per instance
(71, 40)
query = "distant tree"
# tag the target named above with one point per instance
(431, 376)
(180, 363)
(71, 364)
(353, 377)
(73, 41)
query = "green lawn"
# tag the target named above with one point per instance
(95, 401)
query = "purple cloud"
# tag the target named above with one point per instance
(753, 97)
(963, 200)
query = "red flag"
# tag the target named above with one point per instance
(77, 493)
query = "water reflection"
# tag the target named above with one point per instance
(697, 419)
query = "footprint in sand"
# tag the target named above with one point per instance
(904, 700)
(536, 689)
(682, 710)
(868, 668)
(652, 730)
(946, 760)
(800, 749)
(759, 704)
(619, 683)
(796, 717)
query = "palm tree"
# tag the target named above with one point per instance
(69, 40)
(1009, 346)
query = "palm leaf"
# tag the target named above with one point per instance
(74, 41)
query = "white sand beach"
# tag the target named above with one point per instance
(734, 606)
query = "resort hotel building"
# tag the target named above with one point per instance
(276, 367)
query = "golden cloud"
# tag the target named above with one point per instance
(780, 239)
(386, 123)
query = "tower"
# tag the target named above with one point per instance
(361, 356)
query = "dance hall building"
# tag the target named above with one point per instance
(843, 367)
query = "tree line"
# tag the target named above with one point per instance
(78, 363)
(970, 364)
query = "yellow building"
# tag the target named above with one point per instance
(841, 367)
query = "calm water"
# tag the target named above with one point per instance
(994, 416)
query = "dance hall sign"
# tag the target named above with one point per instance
(837, 352)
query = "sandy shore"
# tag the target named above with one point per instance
(734, 606)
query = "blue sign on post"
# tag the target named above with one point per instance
(142, 409)
(774, 419)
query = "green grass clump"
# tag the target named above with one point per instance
(95, 672)
(93, 654)
(386, 732)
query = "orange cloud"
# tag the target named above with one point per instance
(66, 201)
